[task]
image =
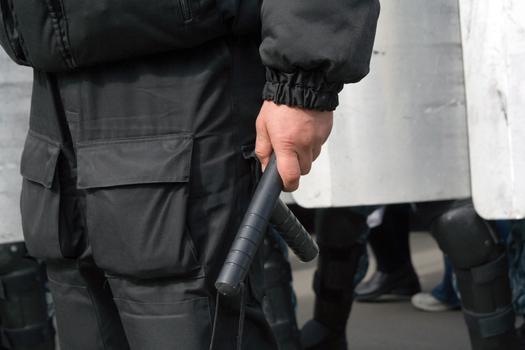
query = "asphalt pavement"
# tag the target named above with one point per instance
(393, 324)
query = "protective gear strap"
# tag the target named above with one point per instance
(485, 273)
(19, 282)
(491, 324)
(338, 267)
(28, 336)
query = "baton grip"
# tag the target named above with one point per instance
(251, 231)
(264, 207)
(293, 232)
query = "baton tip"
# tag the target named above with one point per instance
(226, 289)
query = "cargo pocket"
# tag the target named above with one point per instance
(136, 201)
(40, 197)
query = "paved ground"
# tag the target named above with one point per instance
(394, 325)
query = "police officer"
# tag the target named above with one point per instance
(137, 165)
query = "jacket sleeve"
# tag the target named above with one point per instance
(312, 47)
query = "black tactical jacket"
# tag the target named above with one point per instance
(310, 47)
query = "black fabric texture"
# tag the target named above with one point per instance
(62, 35)
(306, 89)
(390, 240)
(296, 34)
(9, 36)
(157, 159)
(308, 58)
(40, 197)
(153, 150)
(39, 159)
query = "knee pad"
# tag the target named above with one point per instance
(23, 308)
(466, 239)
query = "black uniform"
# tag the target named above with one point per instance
(138, 163)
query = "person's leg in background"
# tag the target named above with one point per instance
(389, 241)
(443, 297)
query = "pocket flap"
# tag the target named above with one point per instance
(39, 159)
(133, 161)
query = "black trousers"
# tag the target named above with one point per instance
(136, 177)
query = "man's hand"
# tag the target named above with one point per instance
(295, 134)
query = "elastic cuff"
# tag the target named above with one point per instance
(305, 89)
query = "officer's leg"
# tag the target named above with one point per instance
(475, 251)
(86, 315)
(338, 231)
(54, 228)
(278, 303)
(25, 322)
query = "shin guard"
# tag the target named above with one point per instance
(472, 245)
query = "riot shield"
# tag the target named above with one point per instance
(400, 135)
(15, 94)
(493, 37)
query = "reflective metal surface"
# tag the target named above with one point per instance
(400, 135)
(493, 35)
(15, 91)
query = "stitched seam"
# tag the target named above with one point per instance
(57, 31)
(88, 144)
(65, 34)
(174, 303)
(44, 138)
(301, 87)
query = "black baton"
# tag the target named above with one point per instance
(264, 207)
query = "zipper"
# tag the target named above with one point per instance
(186, 10)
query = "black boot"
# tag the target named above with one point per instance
(315, 336)
(403, 282)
